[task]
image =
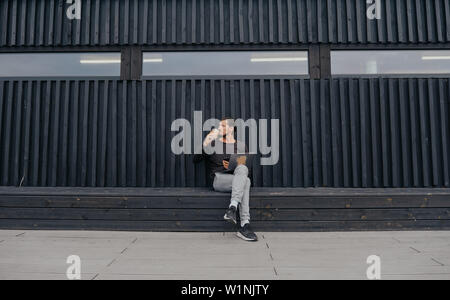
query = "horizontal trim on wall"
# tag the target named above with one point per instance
(222, 22)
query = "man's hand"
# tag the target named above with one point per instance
(213, 135)
(241, 160)
(226, 164)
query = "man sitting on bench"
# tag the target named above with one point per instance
(225, 180)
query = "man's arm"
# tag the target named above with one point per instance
(212, 136)
(208, 140)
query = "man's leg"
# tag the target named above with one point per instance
(224, 183)
(241, 193)
(239, 186)
(245, 204)
(241, 190)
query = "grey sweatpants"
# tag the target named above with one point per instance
(239, 185)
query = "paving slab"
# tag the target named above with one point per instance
(319, 274)
(9, 234)
(187, 264)
(201, 274)
(50, 266)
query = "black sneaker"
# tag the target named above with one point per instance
(230, 215)
(247, 234)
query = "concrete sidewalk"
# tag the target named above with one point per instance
(137, 255)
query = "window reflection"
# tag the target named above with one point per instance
(59, 64)
(390, 62)
(226, 63)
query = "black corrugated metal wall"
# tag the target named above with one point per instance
(159, 22)
(341, 133)
(338, 133)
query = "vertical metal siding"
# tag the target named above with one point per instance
(193, 22)
(338, 133)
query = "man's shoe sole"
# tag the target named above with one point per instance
(241, 236)
(229, 220)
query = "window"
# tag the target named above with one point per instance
(226, 63)
(395, 62)
(59, 64)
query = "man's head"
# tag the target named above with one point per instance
(226, 127)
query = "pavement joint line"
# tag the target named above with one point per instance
(20, 234)
(115, 259)
(438, 262)
(110, 264)
(271, 256)
(415, 249)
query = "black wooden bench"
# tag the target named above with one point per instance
(197, 209)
